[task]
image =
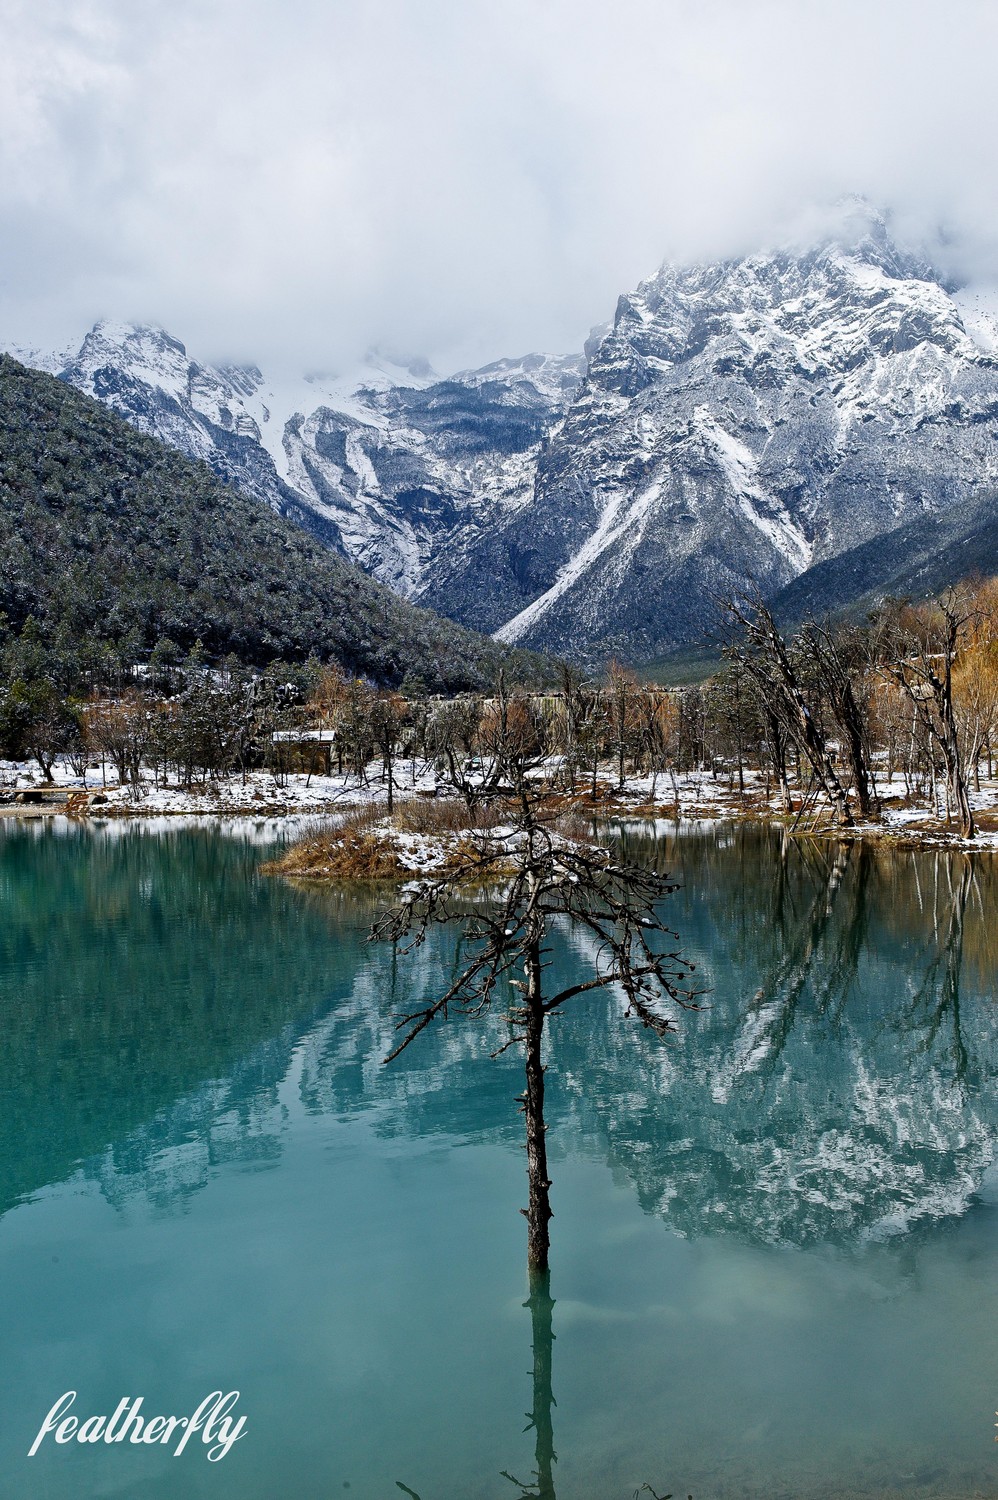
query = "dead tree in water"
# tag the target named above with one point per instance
(505, 892)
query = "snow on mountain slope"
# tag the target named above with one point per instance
(618, 526)
(48, 360)
(777, 410)
(404, 470)
(216, 415)
(738, 424)
(382, 463)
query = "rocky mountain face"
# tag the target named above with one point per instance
(750, 423)
(110, 538)
(381, 465)
(740, 424)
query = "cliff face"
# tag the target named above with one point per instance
(740, 424)
(804, 422)
(383, 466)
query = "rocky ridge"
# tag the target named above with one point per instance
(380, 465)
(814, 414)
(740, 424)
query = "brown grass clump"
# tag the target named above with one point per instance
(361, 847)
(443, 815)
(354, 854)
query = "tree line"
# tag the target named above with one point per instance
(910, 694)
(824, 718)
(115, 544)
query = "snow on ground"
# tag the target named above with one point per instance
(694, 797)
(261, 794)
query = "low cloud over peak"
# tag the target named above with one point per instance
(462, 181)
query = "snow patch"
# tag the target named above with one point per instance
(617, 520)
(764, 511)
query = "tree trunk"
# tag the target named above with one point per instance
(956, 784)
(778, 755)
(849, 718)
(814, 744)
(738, 739)
(538, 1211)
(800, 723)
(540, 1305)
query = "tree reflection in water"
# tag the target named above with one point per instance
(541, 1305)
(168, 1015)
(539, 1418)
(934, 1012)
(837, 1081)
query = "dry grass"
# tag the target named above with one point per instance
(444, 815)
(352, 855)
(362, 848)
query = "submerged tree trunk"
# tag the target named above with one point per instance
(541, 1304)
(538, 1211)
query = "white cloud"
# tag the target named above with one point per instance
(461, 177)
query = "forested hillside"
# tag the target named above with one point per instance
(920, 558)
(108, 536)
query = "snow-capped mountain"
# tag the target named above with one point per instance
(218, 415)
(747, 422)
(401, 470)
(380, 464)
(740, 422)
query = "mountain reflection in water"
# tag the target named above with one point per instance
(166, 1010)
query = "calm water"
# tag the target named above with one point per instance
(775, 1249)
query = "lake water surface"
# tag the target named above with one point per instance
(775, 1243)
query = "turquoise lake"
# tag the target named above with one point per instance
(775, 1243)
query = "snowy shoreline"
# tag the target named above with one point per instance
(690, 797)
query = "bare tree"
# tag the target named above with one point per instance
(572, 687)
(506, 893)
(388, 715)
(766, 656)
(622, 695)
(119, 730)
(776, 740)
(918, 650)
(839, 659)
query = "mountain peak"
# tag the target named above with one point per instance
(114, 333)
(749, 418)
(852, 228)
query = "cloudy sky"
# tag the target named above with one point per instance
(298, 182)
